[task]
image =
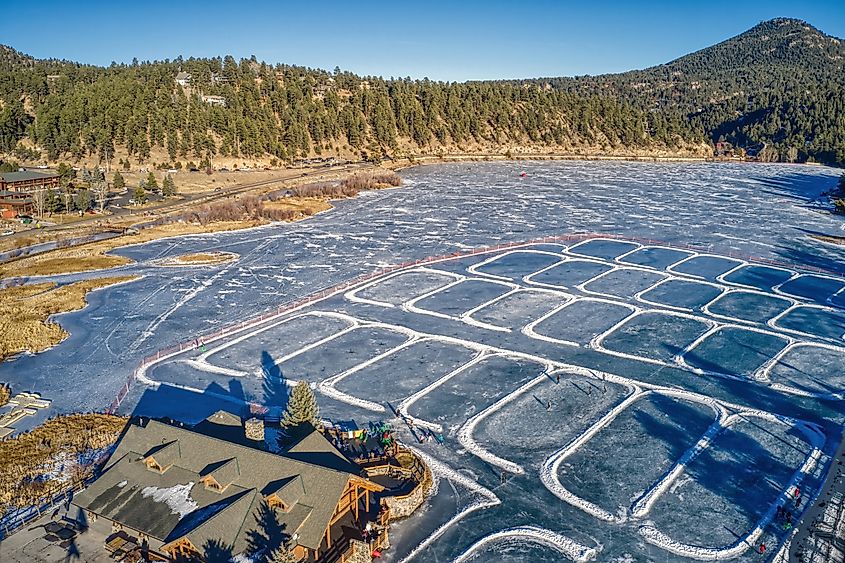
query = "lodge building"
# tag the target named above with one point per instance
(180, 492)
(16, 189)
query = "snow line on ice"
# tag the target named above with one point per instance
(466, 439)
(550, 467)
(658, 538)
(202, 365)
(440, 469)
(643, 505)
(352, 294)
(473, 269)
(402, 409)
(532, 534)
(327, 386)
(773, 322)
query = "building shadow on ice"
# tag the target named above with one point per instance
(191, 407)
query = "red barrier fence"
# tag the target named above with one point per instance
(326, 292)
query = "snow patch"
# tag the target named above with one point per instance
(177, 498)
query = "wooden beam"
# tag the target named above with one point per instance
(356, 504)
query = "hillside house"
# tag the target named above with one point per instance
(183, 493)
(214, 100)
(183, 79)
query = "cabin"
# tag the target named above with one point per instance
(185, 492)
(18, 188)
(214, 100)
(183, 79)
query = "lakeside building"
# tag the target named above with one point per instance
(17, 189)
(180, 494)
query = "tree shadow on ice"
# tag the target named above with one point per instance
(743, 472)
(275, 389)
(690, 423)
(803, 187)
(807, 255)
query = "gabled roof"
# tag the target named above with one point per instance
(288, 491)
(224, 473)
(175, 503)
(165, 454)
(314, 448)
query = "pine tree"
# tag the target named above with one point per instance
(118, 182)
(140, 195)
(83, 200)
(51, 202)
(168, 186)
(151, 184)
(283, 554)
(302, 407)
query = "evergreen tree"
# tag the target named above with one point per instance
(168, 186)
(140, 194)
(283, 554)
(118, 182)
(52, 204)
(83, 200)
(151, 184)
(301, 408)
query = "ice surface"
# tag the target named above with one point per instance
(749, 306)
(490, 415)
(735, 351)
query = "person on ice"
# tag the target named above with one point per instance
(548, 406)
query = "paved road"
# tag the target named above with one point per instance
(205, 197)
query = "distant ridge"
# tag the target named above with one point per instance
(776, 91)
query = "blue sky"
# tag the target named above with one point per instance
(428, 38)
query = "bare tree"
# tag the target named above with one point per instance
(39, 198)
(99, 187)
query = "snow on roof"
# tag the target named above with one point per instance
(177, 498)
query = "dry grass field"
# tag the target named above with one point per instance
(30, 462)
(93, 256)
(25, 310)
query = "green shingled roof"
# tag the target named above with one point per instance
(26, 175)
(176, 503)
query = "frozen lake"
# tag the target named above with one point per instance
(677, 368)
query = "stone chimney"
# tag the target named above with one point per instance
(254, 429)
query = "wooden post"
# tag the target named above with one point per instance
(355, 496)
(367, 497)
(328, 536)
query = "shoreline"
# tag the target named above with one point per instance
(806, 529)
(313, 176)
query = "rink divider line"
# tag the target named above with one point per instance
(473, 269)
(402, 409)
(533, 534)
(551, 465)
(441, 470)
(139, 374)
(465, 434)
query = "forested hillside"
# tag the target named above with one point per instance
(778, 86)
